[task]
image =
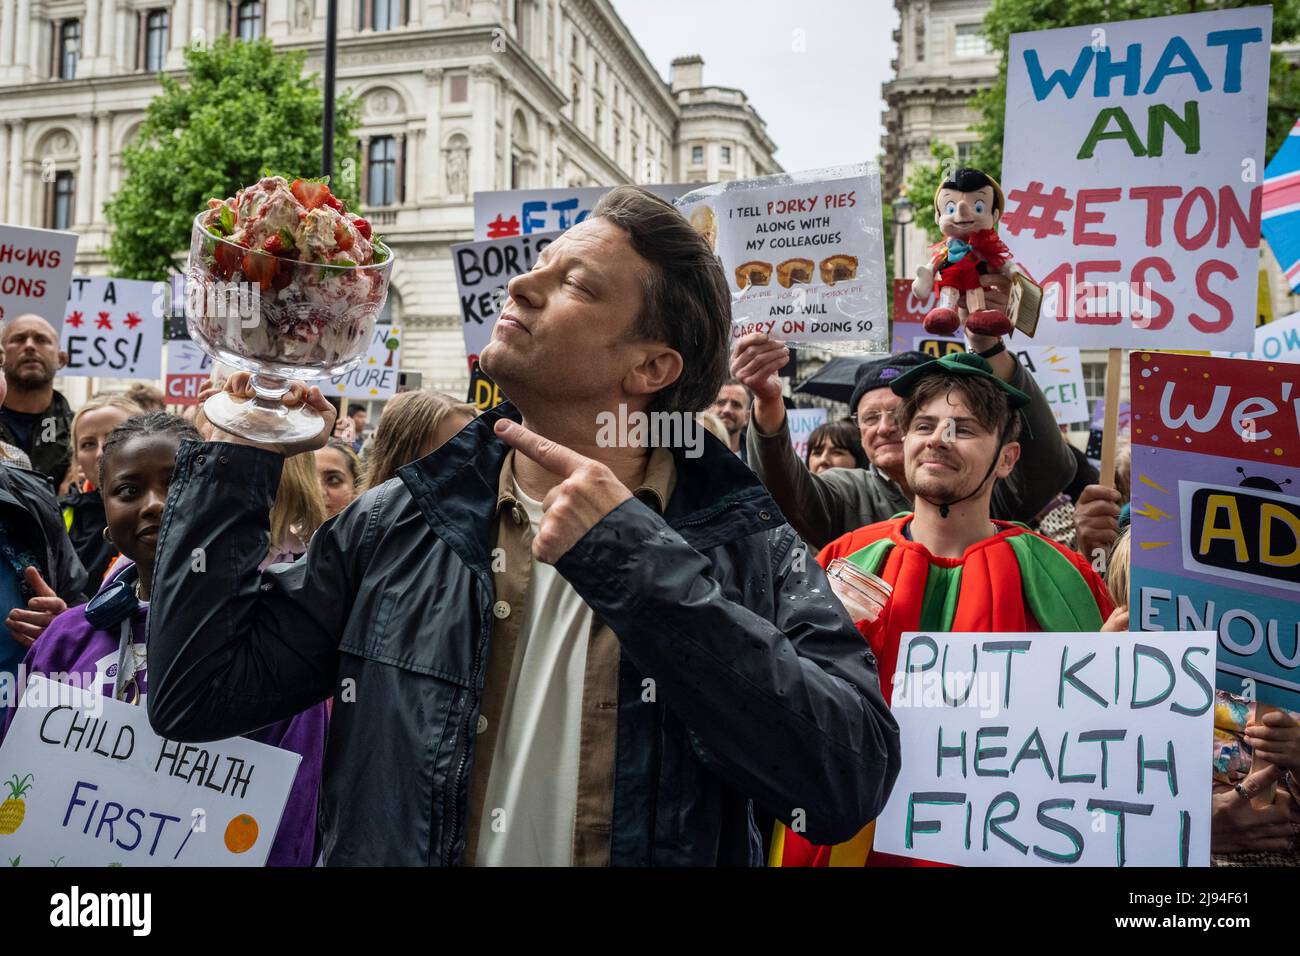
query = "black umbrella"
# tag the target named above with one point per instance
(834, 380)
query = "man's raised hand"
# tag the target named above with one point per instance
(588, 492)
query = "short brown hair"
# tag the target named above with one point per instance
(686, 302)
(988, 403)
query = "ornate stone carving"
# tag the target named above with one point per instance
(433, 74)
(456, 164)
(458, 7)
(380, 103)
(302, 15)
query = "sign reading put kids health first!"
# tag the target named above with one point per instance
(1216, 513)
(803, 254)
(1133, 171)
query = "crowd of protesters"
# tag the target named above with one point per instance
(562, 652)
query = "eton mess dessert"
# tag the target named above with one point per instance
(316, 275)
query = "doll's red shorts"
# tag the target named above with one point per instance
(962, 275)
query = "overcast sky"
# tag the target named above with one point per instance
(822, 106)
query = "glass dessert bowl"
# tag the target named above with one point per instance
(255, 303)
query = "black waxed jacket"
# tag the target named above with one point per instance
(766, 693)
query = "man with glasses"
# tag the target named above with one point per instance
(823, 507)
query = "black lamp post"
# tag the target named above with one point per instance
(903, 216)
(327, 122)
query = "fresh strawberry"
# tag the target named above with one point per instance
(227, 256)
(334, 202)
(311, 195)
(343, 235)
(362, 227)
(274, 245)
(260, 268)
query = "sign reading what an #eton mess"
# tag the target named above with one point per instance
(804, 254)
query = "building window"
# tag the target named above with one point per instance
(965, 153)
(155, 43)
(249, 20)
(969, 41)
(1094, 382)
(381, 184)
(69, 49)
(577, 99)
(597, 70)
(618, 143)
(573, 48)
(60, 206)
(726, 156)
(697, 155)
(460, 88)
(600, 124)
(385, 14)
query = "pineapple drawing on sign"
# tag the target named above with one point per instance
(14, 808)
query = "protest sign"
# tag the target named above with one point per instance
(90, 784)
(113, 328)
(1052, 749)
(1133, 159)
(507, 213)
(803, 422)
(1278, 341)
(1123, 418)
(188, 371)
(35, 272)
(1216, 513)
(375, 376)
(483, 270)
(804, 254)
(1058, 370)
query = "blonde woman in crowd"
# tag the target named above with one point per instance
(340, 474)
(412, 425)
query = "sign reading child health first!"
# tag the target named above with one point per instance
(1216, 513)
(1133, 164)
(113, 328)
(803, 254)
(35, 271)
(90, 784)
(1052, 749)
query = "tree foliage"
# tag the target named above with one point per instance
(242, 112)
(923, 182)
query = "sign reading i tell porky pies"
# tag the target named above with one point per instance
(1216, 513)
(90, 784)
(1051, 749)
(1133, 170)
(803, 254)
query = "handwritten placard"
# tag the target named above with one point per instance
(35, 271)
(90, 784)
(113, 328)
(1052, 749)
(376, 375)
(188, 370)
(507, 213)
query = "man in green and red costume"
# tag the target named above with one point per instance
(952, 567)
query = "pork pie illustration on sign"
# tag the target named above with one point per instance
(967, 208)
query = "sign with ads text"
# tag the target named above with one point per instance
(88, 783)
(1052, 749)
(1133, 171)
(803, 422)
(1216, 513)
(35, 271)
(510, 213)
(113, 328)
(803, 254)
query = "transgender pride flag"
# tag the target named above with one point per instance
(1281, 225)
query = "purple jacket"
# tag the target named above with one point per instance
(71, 645)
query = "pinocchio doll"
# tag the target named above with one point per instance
(967, 207)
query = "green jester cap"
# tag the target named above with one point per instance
(957, 363)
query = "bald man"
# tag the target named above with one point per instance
(35, 417)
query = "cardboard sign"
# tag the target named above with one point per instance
(113, 328)
(91, 784)
(1050, 749)
(803, 422)
(35, 272)
(508, 213)
(804, 254)
(188, 370)
(1216, 513)
(376, 375)
(1134, 156)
